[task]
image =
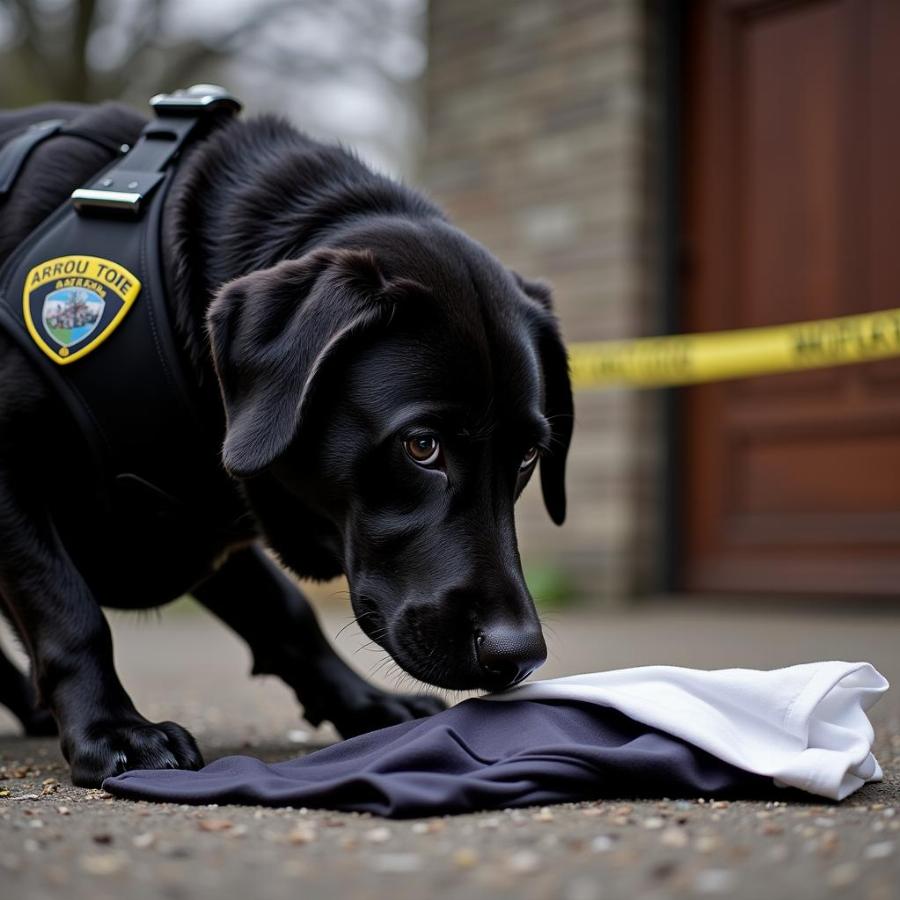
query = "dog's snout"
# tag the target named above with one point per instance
(508, 655)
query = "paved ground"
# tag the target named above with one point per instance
(57, 841)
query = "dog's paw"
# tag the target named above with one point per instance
(106, 751)
(369, 708)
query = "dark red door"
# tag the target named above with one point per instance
(792, 190)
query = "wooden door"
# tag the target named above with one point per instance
(792, 211)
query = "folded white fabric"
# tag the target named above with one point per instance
(805, 726)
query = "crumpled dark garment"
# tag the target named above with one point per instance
(477, 755)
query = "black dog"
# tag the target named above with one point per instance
(378, 390)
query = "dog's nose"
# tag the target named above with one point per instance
(508, 655)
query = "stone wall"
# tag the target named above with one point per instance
(541, 129)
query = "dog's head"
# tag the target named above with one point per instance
(387, 401)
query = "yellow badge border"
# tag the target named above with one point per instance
(128, 299)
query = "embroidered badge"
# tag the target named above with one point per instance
(73, 303)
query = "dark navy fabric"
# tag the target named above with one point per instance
(477, 755)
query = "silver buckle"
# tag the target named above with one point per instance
(118, 190)
(195, 99)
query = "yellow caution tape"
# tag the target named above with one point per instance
(716, 356)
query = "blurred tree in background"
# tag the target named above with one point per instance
(359, 55)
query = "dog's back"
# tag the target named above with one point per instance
(60, 163)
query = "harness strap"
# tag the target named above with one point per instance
(125, 188)
(15, 152)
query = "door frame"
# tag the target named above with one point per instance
(670, 92)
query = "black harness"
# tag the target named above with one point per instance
(84, 296)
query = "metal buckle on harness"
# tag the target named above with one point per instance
(196, 100)
(124, 188)
(119, 190)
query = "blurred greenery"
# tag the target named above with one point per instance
(551, 586)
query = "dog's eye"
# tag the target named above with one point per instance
(528, 459)
(423, 449)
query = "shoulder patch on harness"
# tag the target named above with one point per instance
(73, 303)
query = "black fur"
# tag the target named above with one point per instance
(329, 316)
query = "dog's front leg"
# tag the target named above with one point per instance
(67, 636)
(252, 595)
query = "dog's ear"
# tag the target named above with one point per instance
(557, 399)
(275, 334)
(559, 412)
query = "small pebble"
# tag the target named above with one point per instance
(144, 841)
(654, 823)
(544, 814)
(674, 837)
(706, 843)
(302, 834)
(523, 862)
(714, 881)
(664, 870)
(602, 843)
(465, 858)
(378, 835)
(843, 875)
(103, 863)
(433, 826)
(881, 850)
(215, 824)
(829, 844)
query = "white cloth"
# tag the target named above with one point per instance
(805, 726)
